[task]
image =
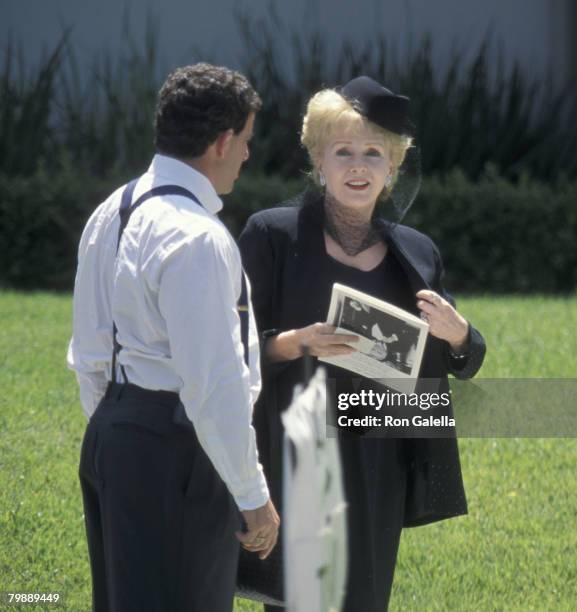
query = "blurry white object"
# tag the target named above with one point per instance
(314, 510)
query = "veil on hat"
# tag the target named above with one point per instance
(405, 189)
(391, 112)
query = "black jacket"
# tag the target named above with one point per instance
(276, 246)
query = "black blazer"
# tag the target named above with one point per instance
(276, 245)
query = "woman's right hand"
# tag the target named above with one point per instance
(318, 338)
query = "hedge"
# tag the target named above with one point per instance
(500, 237)
(41, 219)
(495, 236)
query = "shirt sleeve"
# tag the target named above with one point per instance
(92, 385)
(198, 291)
(90, 347)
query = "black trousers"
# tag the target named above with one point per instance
(160, 522)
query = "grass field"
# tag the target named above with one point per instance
(517, 549)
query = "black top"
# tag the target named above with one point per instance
(386, 281)
(291, 276)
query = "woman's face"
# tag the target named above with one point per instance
(356, 166)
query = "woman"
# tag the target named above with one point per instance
(357, 139)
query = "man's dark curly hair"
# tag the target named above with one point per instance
(196, 104)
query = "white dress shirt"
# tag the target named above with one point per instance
(172, 292)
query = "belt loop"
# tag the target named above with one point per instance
(114, 390)
(119, 390)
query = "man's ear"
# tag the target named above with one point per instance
(222, 143)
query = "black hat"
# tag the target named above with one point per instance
(378, 104)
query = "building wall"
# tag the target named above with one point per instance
(540, 34)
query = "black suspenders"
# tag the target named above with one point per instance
(126, 209)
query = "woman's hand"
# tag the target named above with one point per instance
(318, 338)
(444, 321)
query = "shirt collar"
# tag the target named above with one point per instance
(175, 172)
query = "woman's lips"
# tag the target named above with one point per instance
(357, 185)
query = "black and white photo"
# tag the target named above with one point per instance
(391, 340)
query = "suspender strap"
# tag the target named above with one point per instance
(127, 207)
(242, 308)
(125, 211)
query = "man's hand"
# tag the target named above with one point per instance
(262, 529)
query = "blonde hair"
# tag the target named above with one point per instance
(328, 112)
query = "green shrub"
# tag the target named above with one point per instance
(106, 121)
(26, 105)
(100, 115)
(501, 237)
(495, 236)
(41, 219)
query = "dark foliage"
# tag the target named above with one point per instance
(494, 236)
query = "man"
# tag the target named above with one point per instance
(162, 492)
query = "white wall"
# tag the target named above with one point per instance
(538, 33)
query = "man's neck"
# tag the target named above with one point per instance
(202, 165)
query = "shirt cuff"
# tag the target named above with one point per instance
(254, 495)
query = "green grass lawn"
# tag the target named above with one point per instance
(517, 549)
